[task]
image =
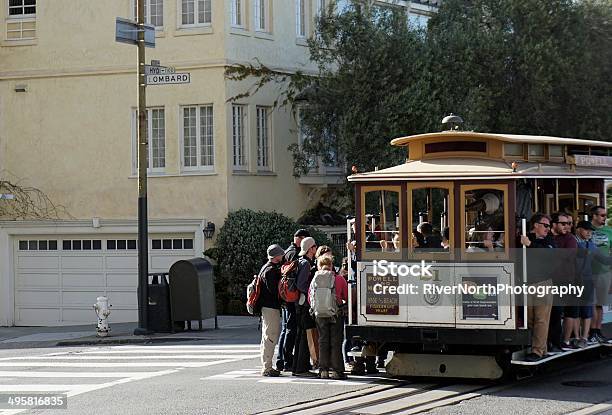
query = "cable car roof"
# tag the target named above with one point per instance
(453, 168)
(512, 138)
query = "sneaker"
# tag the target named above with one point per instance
(532, 357)
(271, 373)
(567, 346)
(581, 343)
(593, 339)
(358, 370)
(553, 349)
(602, 338)
(324, 374)
(337, 375)
(305, 375)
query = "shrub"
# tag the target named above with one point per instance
(241, 246)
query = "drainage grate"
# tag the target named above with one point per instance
(587, 383)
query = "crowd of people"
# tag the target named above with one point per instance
(582, 256)
(309, 331)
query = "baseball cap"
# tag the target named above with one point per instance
(275, 250)
(585, 224)
(301, 233)
(306, 244)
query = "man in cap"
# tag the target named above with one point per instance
(306, 270)
(284, 360)
(270, 308)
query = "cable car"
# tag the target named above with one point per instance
(459, 204)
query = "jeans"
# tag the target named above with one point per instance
(330, 344)
(286, 342)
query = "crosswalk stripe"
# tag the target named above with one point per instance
(37, 388)
(112, 357)
(126, 364)
(195, 347)
(178, 352)
(33, 374)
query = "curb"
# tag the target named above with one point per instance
(90, 342)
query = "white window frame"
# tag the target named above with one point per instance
(148, 12)
(264, 138)
(23, 6)
(197, 4)
(237, 13)
(301, 19)
(150, 170)
(199, 137)
(239, 129)
(261, 14)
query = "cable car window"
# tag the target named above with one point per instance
(582, 150)
(513, 150)
(599, 151)
(536, 150)
(555, 151)
(429, 220)
(380, 222)
(484, 220)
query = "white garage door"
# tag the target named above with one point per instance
(57, 280)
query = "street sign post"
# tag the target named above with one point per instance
(173, 78)
(126, 31)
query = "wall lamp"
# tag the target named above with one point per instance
(209, 230)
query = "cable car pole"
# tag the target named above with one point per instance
(143, 239)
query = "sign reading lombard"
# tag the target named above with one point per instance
(175, 78)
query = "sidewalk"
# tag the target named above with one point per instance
(239, 329)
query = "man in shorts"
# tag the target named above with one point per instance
(602, 237)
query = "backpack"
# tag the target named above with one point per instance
(253, 292)
(323, 295)
(287, 289)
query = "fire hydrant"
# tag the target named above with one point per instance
(102, 309)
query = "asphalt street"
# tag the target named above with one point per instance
(222, 377)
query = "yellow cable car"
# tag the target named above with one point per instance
(458, 204)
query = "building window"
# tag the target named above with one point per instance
(153, 11)
(300, 18)
(171, 244)
(156, 136)
(237, 13)
(198, 141)
(38, 245)
(261, 14)
(263, 139)
(121, 244)
(21, 24)
(322, 7)
(555, 151)
(342, 6)
(418, 21)
(196, 12)
(238, 141)
(22, 8)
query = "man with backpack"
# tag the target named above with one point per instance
(306, 270)
(286, 343)
(328, 293)
(270, 308)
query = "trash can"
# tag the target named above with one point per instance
(192, 291)
(158, 313)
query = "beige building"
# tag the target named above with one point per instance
(68, 95)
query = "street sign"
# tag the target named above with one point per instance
(126, 31)
(159, 70)
(6, 196)
(175, 78)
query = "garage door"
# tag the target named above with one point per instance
(57, 280)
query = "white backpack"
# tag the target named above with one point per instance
(323, 295)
